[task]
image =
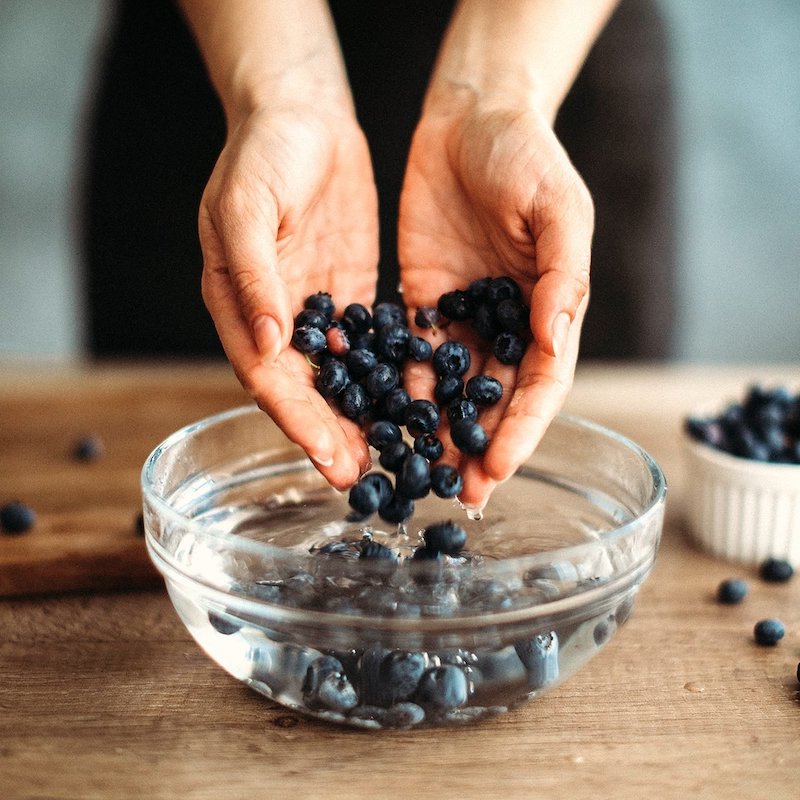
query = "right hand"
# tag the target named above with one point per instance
(290, 210)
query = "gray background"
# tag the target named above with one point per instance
(736, 68)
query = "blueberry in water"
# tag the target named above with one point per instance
(370, 493)
(372, 690)
(451, 358)
(769, 632)
(539, 656)
(381, 381)
(223, 624)
(309, 340)
(392, 342)
(446, 481)
(360, 362)
(395, 404)
(419, 349)
(603, 631)
(354, 401)
(429, 446)
(503, 288)
(88, 448)
(456, 305)
(337, 341)
(16, 517)
(421, 416)
(732, 591)
(414, 477)
(404, 715)
(322, 302)
(383, 432)
(393, 455)
(332, 378)
(447, 389)
(775, 570)
(463, 410)
(469, 437)
(484, 390)
(356, 319)
(329, 689)
(387, 314)
(311, 318)
(445, 537)
(377, 551)
(427, 317)
(508, 348)
(397, 509)
(400, 673)
(443, 687)
(485, 322)
(512, 315)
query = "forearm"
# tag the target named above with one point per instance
(515, 52)
(266, 53)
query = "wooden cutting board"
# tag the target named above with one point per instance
(86, 535)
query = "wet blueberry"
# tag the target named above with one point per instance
(421, 416)
(370, 493)
(309, 340)
(400, 673)
(503, 288)
(322, 302)
(337, 341)
(508, 348)
(446, 481)
(478, 289)
(392, 342)
(398, 509)
(443, 687)
(311, 318)
(387, 314)
(775, 570)
(732, 591)
(447, 389)
(223, 624)
(16, 518)
(463, 410)
(539, 656)
(395, 404)
(404, 715)
(419, 349)
(354, 401)
(451, 358)
(445, 537)
(603, 631)
(372, 690)
(456, 305)
(332, 378)
(512, 315)
(429, 446)
(414, 477)
(393, 455)
(769, 632)
(328, 688)
(376, 550)
(382, 380)
(485, 323)
(383, 432)
(356, 319)
(361, 362)
(469, 437)
(426, 317)
(484, 390)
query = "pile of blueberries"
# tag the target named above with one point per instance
(359, 360)
(765, 426)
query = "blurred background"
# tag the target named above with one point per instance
(718, 181)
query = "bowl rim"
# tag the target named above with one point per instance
(163, 557)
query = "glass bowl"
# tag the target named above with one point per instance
(261, 561)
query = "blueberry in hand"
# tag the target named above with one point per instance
(469, 437)
(16, 518)
(427, 317)
(446, 481)
(445, 537)
(322, 302)
(393, 455)
(502, 288)
(395, 404)
(387, 314)
(381, 380)
(451, 358)
(512, 315)
(509, 348)
(356, 319)
(337, 341)
(456, 305)
(462, 410)
(383, 432)
(414, 477)
(309, 340)
(419, 349)
(484, 390)
(447, 389)
(332, 378)
(392, 342)
(485, 322)
(429, 446)
(311, 318)
(421, 416)
(478, 289)
(360, 362)
(354, 401)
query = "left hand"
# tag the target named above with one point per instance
(491, 191)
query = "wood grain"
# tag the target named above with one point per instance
(103, 695)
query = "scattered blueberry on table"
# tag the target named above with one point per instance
(16, 518)
(768, 632)
(775, 570)
(732, 591)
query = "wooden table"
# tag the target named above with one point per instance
(104, 695)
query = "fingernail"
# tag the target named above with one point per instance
(323, 461)
(324, 451)
(267, 334)
(560, 332)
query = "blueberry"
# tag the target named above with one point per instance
(444, 687)
(360, 362)
(512, 315)
(484, 390)
(322, 302)
(478, 289)
(446, 481)
(311, 318)
(539, 656)
(419, 349)
(456, 305)
(370, 493)
(421, 416)
(387, 314)
(447, 389)
(503, 288)
(404, 715)
(393, 455)
(332, 378)
(88, 448)
(392, 342)
(462, 410)
(414, 477)
(382, 380)
(354, 401)
(326, 687)
(469, 437)
(336, 340)
(309, 340)
(376, 550)
(769, 632)
(16, 518)
(372, 690)
(429, 446)
(363, 341)
(603, 630)
(356, 319)
(775, 570)
(400, 673)
(395, 404)
(427, 317)
(485, 322)
(223, 624)
(508, 348)
(709, 431)
(732, 591)
(383, 432)
(451, 358)
(397, 510)
(445, 537)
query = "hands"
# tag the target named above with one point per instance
(290, 210)
(490, 191)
